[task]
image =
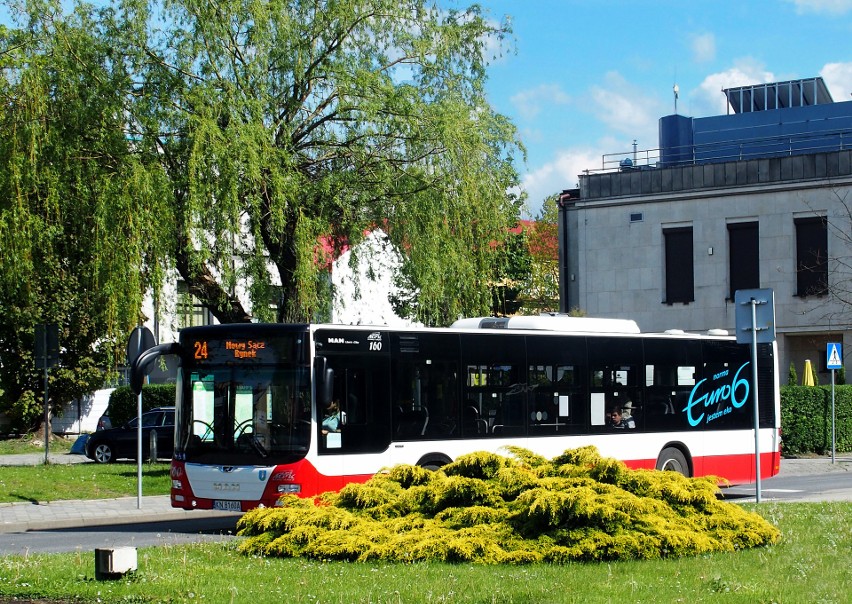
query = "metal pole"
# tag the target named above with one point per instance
(139, 452)
(46, 404)
(46, 418)
(754, 304)
(138, 333)
(832, 418)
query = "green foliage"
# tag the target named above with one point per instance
(806, 419)
(297, 121)
(489, 509)
(481, 465)
(513, 264)
(123, 404)
(80, 212)
(527, 278)
(164, 135)
(792, 377)
(539, 290)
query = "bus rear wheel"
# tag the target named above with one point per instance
(434, 461)
(673, 460)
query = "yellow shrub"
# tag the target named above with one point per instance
(489, 509)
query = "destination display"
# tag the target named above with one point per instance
(241, 350)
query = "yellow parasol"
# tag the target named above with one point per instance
(808, 377)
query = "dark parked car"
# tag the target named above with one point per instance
(105, 446)
(104, 422)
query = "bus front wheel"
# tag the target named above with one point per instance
(673, 459)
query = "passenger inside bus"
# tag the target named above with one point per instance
(627, 414)
(331, 422)
(618, 421)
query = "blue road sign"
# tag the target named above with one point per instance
(834, 355)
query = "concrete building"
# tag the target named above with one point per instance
(758, 198)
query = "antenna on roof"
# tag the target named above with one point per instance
(675, 90)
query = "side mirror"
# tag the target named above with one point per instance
(144, 363)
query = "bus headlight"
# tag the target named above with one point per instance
(290, 489)
(177, 485)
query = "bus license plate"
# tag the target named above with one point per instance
(228, 506)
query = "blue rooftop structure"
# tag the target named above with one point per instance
(777, 119)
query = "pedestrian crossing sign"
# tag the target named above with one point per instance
(834, 356)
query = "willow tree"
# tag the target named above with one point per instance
(75, 207)
(283, 123)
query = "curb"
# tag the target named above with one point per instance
(68, 514)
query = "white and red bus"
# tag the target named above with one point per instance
(251, 399)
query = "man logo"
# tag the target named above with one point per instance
(262, 475)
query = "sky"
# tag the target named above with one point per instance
(584, 78)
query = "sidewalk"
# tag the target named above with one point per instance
(76, 513)
(815, 465)
(36, 459)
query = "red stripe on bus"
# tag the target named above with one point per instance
(736, 469)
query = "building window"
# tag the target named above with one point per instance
(743, 257)
(680, 278)
(811, 257)
(190, 311)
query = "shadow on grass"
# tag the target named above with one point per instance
(157, 471)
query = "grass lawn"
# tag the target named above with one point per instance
(810, 564)
(34, 443)
(80, 481)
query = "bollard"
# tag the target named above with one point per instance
(115, 562)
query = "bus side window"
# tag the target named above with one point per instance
(554, 389)
(425, 405)
(411, 423)
(667, 388)
(364, 420)
(616, 387)
(497, 393)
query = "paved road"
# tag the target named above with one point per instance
(807, 480)
(18, 517)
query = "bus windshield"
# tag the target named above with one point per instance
(243, 414)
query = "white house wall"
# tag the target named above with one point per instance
(361, 293)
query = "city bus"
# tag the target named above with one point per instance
(264, 410)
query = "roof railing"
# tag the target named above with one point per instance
(726, 150)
